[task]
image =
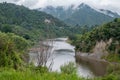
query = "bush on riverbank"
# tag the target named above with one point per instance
(69, 68)
(112, 58)
(12, 47)
(113, 72)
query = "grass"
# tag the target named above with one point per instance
(30, 75)
(112, 58)
(40, 73)
(68, 72)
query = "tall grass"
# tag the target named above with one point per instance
(39, 73)
(30, 75)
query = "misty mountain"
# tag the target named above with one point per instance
(109, 13)
(82, 15)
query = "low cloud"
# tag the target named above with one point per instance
(113, 5)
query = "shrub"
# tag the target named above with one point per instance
(68, 68)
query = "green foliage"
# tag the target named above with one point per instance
(81, 29)
(41, 69)
(11, 74)
(33, 75)
(29, 24)
(11, 47)
(112, 57)
(68, 68)
(114, 68)
(87, 41)
(108, 77)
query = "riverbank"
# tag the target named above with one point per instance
(97, 65)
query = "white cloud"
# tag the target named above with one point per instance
(10, 1)
(29, 3)
(113, 5)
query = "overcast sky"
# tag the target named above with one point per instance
(113, 5)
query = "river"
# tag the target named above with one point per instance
(63, 53)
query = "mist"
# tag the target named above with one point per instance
(98, 4)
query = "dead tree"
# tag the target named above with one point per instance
(44, 52)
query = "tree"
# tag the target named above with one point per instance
(11, 51)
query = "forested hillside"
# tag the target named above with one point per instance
(30, 24)
(111, 30)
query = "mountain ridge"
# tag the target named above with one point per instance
(75, 15)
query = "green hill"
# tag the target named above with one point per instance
(30, 24)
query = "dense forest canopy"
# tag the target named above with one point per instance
(30, 24)
(111, 30)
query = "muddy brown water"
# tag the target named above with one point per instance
(97, 66)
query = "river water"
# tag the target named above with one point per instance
(63, 53)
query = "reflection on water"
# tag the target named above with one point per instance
(61, 58)
(84, 71)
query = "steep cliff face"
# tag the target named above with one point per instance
(100, 48)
